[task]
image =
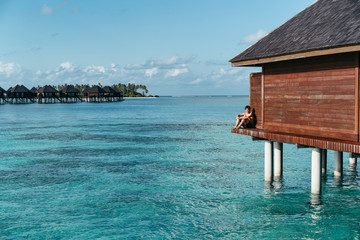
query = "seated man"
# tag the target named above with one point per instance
(246, 119)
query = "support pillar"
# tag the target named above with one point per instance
(316, 170)
(269, 161)
(278, 159)
(338, 164)
(324, 161)
(352, 159)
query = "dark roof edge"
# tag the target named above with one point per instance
(316, 52)
(231, 60)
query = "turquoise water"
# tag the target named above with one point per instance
(165, 168)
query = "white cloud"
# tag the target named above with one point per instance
(174, 61)
(67, 66)
(254, 37)
(170, 76)
(94, 69)
(196, 81)
(176, 72)
(151, 72)
(9, 69)
(46, 10)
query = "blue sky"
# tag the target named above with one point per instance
(175, 47)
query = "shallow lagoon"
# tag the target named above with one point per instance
(157, 169)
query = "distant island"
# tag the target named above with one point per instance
(129, 90)
(72, 94)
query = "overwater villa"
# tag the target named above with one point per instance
(94, 94)
(112, 94)
(2, 95)
(47, 94)
(118, 94)
(33, 92)
(69, 94)
(18, 95)
(308, 90)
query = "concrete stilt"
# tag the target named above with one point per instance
(352, 159)
(324, 161)
(268, 161)
(316, 170)
(278, 159)
(338, 164)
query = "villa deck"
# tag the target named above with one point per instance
(318, 142)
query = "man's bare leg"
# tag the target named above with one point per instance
(241, 123)
(237, 122)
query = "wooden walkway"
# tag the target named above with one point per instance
(318, 142)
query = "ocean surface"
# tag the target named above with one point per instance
(165, 168)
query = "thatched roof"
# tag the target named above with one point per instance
(117, 90)
(325, 24)
(69, 89)
(2, 90)
(94, 89)
(33, 90)
(109, 89)
(18, 89)
(47, 89)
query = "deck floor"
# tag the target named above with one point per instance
(325, 143)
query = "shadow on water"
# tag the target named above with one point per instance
(352, 175)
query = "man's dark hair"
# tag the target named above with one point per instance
(247, 106)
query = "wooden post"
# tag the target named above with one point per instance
(316, 182)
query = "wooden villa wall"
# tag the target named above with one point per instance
(255, 96)
(315, 96)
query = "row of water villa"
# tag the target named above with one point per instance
(69, 94)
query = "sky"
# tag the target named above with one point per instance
(174, 47)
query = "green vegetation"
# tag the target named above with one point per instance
(129, 90)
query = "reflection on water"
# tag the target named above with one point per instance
(315, 200)
(338, 181)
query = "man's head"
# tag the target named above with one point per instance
(247, 108)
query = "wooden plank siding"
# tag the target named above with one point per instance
(255, 96)
(357, 94)
(314, 96)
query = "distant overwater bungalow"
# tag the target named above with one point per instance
(33, 92)
(106, 94)
(94, 94)
(112, 94)
(2, 95)
(69, 94)
(19, 95)
(308, 90)
(118, 94)
(47, 94)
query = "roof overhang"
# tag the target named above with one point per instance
(259, 61)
